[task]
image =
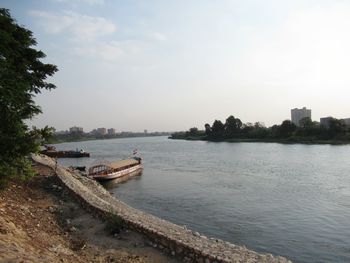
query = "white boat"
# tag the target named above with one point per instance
(115, 170)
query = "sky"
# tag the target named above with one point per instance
(169, 65)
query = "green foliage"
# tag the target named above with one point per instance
(232, 127)
(217, 129)
(234, 130)
(22, 76)
(286, 129)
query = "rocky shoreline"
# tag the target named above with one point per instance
(179, 242)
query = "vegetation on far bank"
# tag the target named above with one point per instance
(234, 130)
(22, 77)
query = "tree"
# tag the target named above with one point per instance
(232, 126)
(193, 131)
(336, 127)
(286, 129)
(306, 123)
(207, 129)
(22, 76)
(217, 129)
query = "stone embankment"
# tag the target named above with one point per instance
(178, 241)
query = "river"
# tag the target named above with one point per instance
(286, 199)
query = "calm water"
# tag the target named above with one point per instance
(290, 200)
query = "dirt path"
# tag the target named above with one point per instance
(40, 223)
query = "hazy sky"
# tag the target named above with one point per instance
(171, 65)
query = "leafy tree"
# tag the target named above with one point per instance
(306, 123)
(207, 129)
(232, 126)
(336, 127)
(22, 76)
(286, 129)
(217, 129)
(193, 131)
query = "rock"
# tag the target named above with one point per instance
(196, 234)
(68, 221)
(59, 249)
(72, 229)
(3, 230)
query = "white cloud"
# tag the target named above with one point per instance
(80, 27)
(90, 2)
(159, 36)
(105, 51)
(84, 35)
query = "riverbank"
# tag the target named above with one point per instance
(40, 222)
(176, 241)
(282, 141)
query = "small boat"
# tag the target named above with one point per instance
(52, 152)
(115, 170)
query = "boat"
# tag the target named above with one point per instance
(52, 152)
(115, 170)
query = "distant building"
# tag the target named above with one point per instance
(76, 129)
(61, 132)
(298, 114)
(111, 131)
(325, 121)
(145, 131)
(101, 131)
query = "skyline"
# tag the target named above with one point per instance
(175, 65)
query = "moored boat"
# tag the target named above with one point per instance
(52, 152)
(114, 170)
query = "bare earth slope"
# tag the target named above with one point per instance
(40, 223)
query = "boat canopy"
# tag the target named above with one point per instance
(123, 163)
(110, 166)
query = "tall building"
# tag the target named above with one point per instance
(298, 114)
(76, 129)
(111, 131)
(101, 131)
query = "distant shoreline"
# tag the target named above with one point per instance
(282, 141)
(63, 140)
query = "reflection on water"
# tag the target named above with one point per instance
(111, 184)
(290, 200)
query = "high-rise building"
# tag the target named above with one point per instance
(298, 114)
(76, 129)
(101, 131)
(111, 131)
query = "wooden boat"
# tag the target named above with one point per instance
(115, 170)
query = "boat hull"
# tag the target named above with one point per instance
(65, 154)
(116, 175)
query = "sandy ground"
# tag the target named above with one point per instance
(39, 222)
